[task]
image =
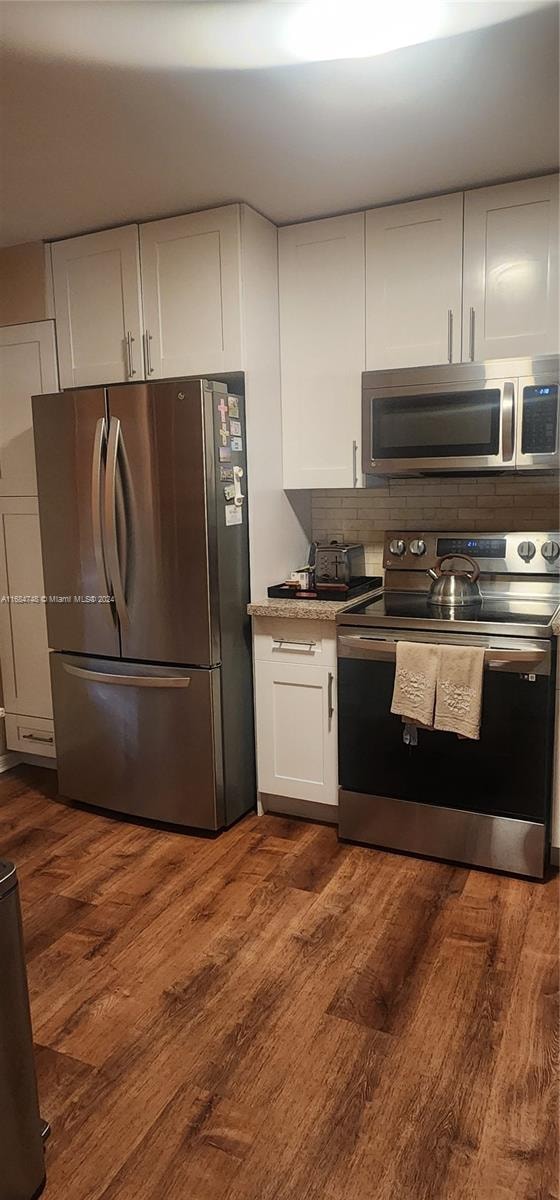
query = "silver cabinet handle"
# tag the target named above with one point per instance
(281, 642)
(471, 333)
(129, 341)
(113, 563)
(96, 469)
(147, 341)
(450, 335)
(354, 464)
(330, 696)
(154, 681)
(508, 421)
(34, 737)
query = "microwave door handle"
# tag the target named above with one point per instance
(508, 421)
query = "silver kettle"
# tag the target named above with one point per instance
(454, 589)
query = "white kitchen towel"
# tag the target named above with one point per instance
(415, 682)
(459, 690)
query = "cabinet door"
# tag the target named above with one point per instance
(413, 271)
(23, 627)
(296, 731)
(27, 367)
(191, 289)
(322, 341)
(510, 296)
(98, 307)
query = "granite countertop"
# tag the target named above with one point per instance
(556, 628)
(314, 610)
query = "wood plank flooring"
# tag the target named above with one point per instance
(271, 1015)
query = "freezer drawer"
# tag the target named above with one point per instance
(139, 739)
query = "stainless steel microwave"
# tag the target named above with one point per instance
(501, 415)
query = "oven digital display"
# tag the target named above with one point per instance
(476, 547)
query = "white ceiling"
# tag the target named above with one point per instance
(102, 125)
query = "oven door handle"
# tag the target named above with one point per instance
(534, 660)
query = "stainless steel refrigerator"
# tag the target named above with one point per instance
(146, 565)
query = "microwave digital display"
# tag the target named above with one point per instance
(539, 431)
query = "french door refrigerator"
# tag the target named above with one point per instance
(145, 554)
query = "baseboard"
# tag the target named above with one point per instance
(555, 855)
(290, 806)
(8, 760)
(38, 760)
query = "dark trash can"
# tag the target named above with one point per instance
(22, 1160)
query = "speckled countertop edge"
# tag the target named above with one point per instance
(320, 610)
(310, 610)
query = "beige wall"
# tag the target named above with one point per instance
(22, 283)
(481, 504)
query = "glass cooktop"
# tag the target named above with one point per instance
(493, 610)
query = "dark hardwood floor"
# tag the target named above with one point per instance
(271, 1015)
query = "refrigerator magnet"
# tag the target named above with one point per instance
(237, 443)
(235, 428)
(229, 492)
(226, 474)
(233, 406)
(224, 435)
(234, 515)
(224, 453)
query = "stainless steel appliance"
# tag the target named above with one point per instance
(338, 563)
(145, 555)
(483, 802)
(22, 1132)
(502, 415)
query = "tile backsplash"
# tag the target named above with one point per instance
(478, 504)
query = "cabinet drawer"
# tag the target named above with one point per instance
(30, 735)
(293, 640)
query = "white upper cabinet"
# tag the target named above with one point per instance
(510, 298)
(98, 307)
(191, 290)
(27, 367)
(413, 292)
(322, 339)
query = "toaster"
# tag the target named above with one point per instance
(338, 563)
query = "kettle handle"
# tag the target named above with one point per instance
(474, 574)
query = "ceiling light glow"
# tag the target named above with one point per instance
(321, 30)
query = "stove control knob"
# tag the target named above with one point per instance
(397, 547)
(418, 546)
(526, 550)
(550, 551)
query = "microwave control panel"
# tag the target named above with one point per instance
(540, 419)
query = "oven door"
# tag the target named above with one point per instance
(438, 794)
(459, 426)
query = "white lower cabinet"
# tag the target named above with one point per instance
(23, 627)
(296, 724)
(30, 735)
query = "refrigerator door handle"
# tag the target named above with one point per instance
(157, 681)
(113, 561)
(96, 470)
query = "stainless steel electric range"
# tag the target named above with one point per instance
(486, 802)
